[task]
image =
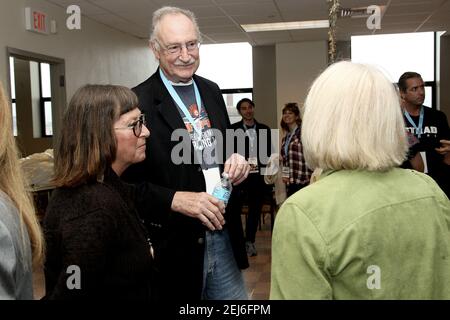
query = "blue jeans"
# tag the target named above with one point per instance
(222, 279)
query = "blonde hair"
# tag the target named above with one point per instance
(12, 182)
(353, 120)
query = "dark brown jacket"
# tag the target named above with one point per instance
(95, 227)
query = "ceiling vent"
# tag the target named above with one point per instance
(360, 12)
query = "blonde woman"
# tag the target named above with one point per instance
(365, 229)
(21, 242)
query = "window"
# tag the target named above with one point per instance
(395, 54)
(46, 100)
(13, 95)
(232, 97)
(230, 66)
(41, 108)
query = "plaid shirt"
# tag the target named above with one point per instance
(299, 173)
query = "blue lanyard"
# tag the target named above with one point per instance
(181, 104)
(410, 120)
(288, 141)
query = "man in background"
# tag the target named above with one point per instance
(429, 126)
(257, 152)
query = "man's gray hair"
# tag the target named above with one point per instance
(161, 12)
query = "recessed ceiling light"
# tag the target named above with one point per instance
(294, 25)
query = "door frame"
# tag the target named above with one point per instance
(58, 82)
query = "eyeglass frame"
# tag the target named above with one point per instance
(136, 124)
(179, 46)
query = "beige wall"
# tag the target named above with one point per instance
(283, 73)
(264, 85)
(444, 85)
(298, 64)
(94, 54)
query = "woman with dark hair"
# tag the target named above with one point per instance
(296, 174)
(21, 241)
(98, 247)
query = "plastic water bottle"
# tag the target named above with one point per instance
(223, 188)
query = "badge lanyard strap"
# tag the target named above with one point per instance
(181, 104)
(410, 120)
(288, 141)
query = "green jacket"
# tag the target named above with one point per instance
(363, 235)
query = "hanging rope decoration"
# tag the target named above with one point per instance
(332, 17)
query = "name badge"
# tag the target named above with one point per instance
(285, 172)
(253, 162)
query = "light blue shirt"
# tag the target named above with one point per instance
(16, 280)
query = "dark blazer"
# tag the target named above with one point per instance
(95, 227)
(259, 127)
(180, 241)
(254, 181)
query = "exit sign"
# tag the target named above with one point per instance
(36, 21)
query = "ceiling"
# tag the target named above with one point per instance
(220, 20)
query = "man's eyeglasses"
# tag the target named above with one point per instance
(177, 48)
(136, 125)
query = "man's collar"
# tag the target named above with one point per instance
(181, 84)
(249, 126)
(188, 83)
(415, 112)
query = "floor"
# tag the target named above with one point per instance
(39, 284)
(257, 276)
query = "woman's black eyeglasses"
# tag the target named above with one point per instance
(136, 125)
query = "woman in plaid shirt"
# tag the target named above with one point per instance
(296, 174)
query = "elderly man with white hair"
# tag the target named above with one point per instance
(200, 249)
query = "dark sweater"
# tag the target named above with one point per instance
(95, 227)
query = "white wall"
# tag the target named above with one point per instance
(94, 54)
(298, 64)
